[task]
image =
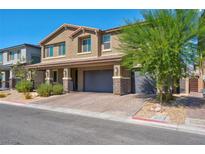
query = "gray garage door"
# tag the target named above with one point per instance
(98, 81)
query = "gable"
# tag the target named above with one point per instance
(68, 29)
(82, 31)
(60, 36)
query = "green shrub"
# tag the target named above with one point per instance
(24, 86)
(57, 89)
(44, 90)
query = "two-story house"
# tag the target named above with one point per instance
(23, 54)
(83, 59)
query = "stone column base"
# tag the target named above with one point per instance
(121, 85)
(48, 80)
(12, 83)
(66, 84)
(3, 84)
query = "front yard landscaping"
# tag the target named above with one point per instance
(17, 97)
(25, 93)
(3, 94)
(174, 112)
(166, 113)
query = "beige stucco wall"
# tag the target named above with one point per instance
(115, 45)
(62, 36)
(75, 45)
(72, 45)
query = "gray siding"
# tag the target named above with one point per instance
(142, 84)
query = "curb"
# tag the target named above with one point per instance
(181, 128)
(105, 116)
(149, 120)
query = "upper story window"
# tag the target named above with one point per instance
(10, 56)
(19, 54)
(86, 44)
(61, 49)
(49, 51)
(35, 59)
(106, 42)
(1, 58)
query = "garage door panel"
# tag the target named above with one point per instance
(98, 81)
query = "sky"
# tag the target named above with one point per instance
(31, 26)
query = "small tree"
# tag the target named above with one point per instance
(20, 71)
(163, 45)
(200, 60)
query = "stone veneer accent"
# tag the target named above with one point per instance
(66, 79)
(121, 85)
(12, 83)
(66, 85)
(121, 81)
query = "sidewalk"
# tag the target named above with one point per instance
(105, 116)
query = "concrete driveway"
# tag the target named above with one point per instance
(123, 106)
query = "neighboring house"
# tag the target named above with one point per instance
(193, 85)
(23, 54)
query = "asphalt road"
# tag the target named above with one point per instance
(20, 125)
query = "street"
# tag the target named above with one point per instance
(19, 125)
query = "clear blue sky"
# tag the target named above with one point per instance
(31, 26)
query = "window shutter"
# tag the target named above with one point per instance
(63, 48)
(51, 51)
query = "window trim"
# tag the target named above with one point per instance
(88, 51)
(18, 55)
(106, 42)
(61, 45)
(9, 55)
(56, 50)
(47, 49)
(1, 59)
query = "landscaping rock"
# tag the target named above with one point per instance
(156, 108)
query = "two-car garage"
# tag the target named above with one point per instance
(98, 81)
(102, 81)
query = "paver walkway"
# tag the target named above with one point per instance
(125, 106)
